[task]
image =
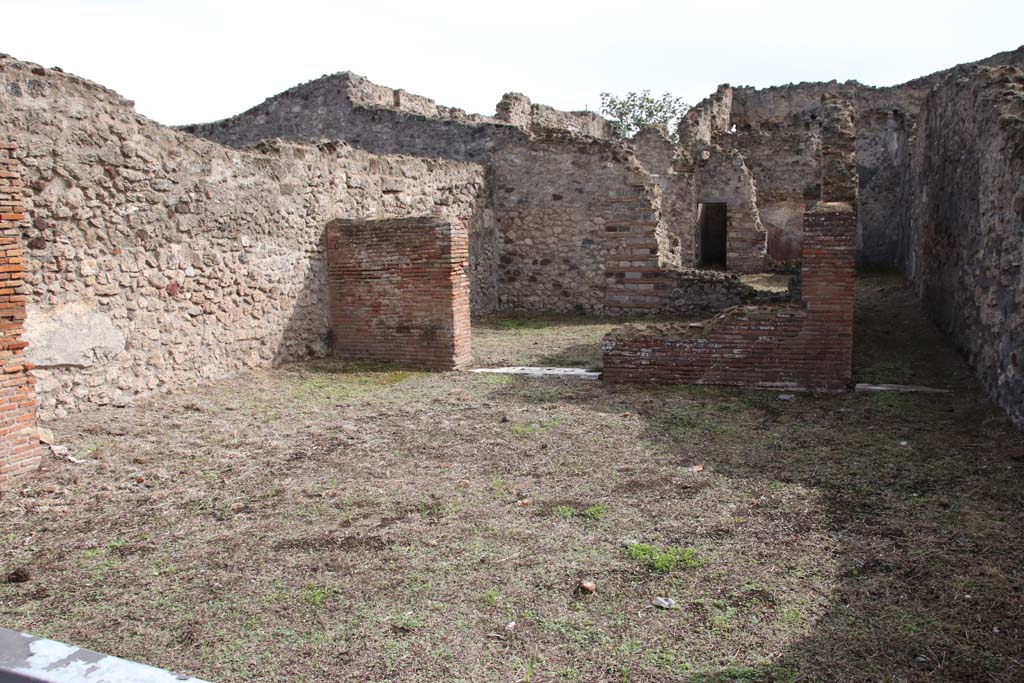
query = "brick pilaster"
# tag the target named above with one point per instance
(19, 442)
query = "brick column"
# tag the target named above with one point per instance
(399, 291)
(828, 255)
(19, 442)
(829, 246)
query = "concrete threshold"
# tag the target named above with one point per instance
(529, 371)
(902, 388)
(26, 659)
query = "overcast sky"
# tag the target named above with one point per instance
(186, 61)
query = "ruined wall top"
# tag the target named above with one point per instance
(769, 107)
(385, 120)
(517, 109)
(35, 75)
(838, 143)
(707, 118)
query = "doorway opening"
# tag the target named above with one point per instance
(713, 232)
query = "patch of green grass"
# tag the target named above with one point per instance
(92, 447)
(669, 659)
(748, 674)
(491, 597)
(794, 618)
(889, 371)
(721, 615)
(535, 427)
(565, 511)
(433, 508)
(501, 489)
(330, 381)
(595, 512)
(315, 595)
(569, 675)
(407, 621)
(664, 559)
(577, 630)
(892, 402)
(517, 323)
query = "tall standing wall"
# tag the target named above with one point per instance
(966, 230)
(157, 260)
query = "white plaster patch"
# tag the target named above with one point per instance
(74, 334)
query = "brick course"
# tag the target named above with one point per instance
(19, 442)
(399, 291)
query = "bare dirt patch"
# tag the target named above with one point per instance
(335, 522)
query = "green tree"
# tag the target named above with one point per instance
(632, 112)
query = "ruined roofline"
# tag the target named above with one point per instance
(101, 93)
(105, 93)
(1008, 57)
(277, 147)
(350, 91)
(361, 94)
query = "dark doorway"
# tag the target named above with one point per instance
(712, 234)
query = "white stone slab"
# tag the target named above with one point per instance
(902, 388)
(529, 371)
(37, 660)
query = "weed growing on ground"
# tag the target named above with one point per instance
(664, 559)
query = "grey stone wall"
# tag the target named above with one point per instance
(777, 133)
(367, 116)
(966, 235)
(707, 118)
(517, 109)
(551, 203)
(657, 155)
(156, 259)
(383, 120)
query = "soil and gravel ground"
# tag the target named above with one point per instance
(356, 522)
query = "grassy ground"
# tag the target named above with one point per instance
(539, 339)
(333, 522)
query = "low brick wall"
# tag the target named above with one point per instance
(808, 346)
(19, 442)
(399, 291)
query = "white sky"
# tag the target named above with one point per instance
(186, 61)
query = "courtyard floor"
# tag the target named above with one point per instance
(356, 522)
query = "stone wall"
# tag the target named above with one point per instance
(559, 205)
(399, 291)
(784, 163)
(709, 167)
(658, 156)
(721, 175)
(777, 131)
(367, 116)
(156, 259)
(583, 226)
(966, 238)
(382, 120)
(19, 442)
(540, 119)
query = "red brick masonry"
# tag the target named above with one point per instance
(807, 345)
(19, 442)
(399, 291)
